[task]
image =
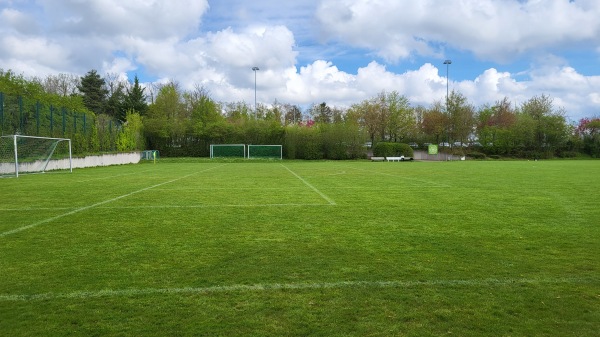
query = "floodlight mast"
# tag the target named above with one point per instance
(447, 63)
(255, 69)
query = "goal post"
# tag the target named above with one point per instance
(265, 151)
(29, 154)
(227, 150)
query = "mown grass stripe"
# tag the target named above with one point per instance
(489, 282)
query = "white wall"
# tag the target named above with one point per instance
(63, 164)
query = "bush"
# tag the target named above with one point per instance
(386, 149)
(568, 154)
(495, 156)
(476, 155)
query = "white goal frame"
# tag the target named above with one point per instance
(42, 163)
(212, 146)
(273, 146)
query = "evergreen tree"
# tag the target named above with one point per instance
(136, 99)
(93, 91)
(115, 104)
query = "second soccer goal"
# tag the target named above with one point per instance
(265, 151)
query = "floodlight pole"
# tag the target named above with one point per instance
(255, 69)
(447, 63)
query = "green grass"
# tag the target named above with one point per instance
(290, 248)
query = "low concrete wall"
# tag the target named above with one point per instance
(63, 164)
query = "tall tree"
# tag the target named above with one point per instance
(402, 122)
(93, 91)
(434, 122)
(549, 125)
(62, 84)
(136, 98)
(115, 103)
(322, 113)
(292, 114)
(168, 121)
(461, 120)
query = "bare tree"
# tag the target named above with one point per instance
(62, 84)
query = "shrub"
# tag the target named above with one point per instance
(568, 154)
(476, 155)
(386, 149)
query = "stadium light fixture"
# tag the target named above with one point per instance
(255, 69)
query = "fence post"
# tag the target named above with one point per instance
(37, 117)
(64, 121)
(2, 111)
(51, 120)
(20, 99)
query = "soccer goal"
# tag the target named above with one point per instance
(265, 151)
(228, 150)
(27, 154)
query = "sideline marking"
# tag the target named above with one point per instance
(329, 200)
(490, 282)
(81, 209)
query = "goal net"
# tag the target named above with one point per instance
(228, 150)
(265, 151)
(28, 154)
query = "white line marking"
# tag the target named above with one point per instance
(232, 188)
(489, 282)
(214, 206)
(167, 206)
(329, 200)
(81, 209)
(35, 209)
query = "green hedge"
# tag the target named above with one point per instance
(386, 149)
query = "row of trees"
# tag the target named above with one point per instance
(185, 122)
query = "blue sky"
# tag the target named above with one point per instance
(310, 51)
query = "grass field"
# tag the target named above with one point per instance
(290, 248)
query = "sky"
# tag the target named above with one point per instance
(340, 52)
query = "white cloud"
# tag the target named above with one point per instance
(491, 29)
(152, 19)
(19, 21)
(163, 39)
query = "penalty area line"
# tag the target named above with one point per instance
(241, 288)
(85, 208)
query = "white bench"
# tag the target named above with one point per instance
(377, 158)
